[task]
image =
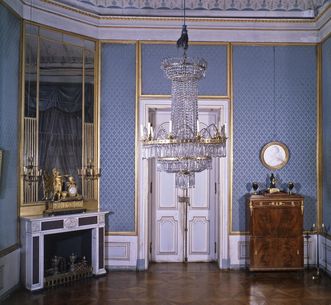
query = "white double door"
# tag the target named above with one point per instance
(170, 242)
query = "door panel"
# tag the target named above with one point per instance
(168, 218)
(199, 195)
(167, 197)
(168, 230)
(199, 237)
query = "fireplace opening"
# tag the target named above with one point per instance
(67, 257)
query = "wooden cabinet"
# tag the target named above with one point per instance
(276, 228)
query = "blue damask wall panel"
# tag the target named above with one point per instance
(118, 87)
(274, 100)
(155, 82)
(296, 121)
(9, 97)
(326, 98)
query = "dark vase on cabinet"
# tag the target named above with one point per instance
(276, 226)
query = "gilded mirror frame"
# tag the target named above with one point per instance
(90, 134)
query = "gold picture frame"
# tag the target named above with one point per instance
(274, 155)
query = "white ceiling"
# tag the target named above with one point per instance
(196, 8)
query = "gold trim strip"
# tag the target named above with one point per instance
(37, 113)
(21, 118)
(230, 160)
(84, 142)
(228, 67)
(19, 136)
(238, 233)
(325, 38)
(97, 113)
(9, 249)
(139, 92)
(319, 137)
(137, 142)
(117, 41)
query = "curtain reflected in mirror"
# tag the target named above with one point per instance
(60, 108)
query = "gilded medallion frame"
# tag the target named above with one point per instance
(274, 155)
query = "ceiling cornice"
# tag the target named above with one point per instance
(68, 18)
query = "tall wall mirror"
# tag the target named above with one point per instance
(59, 159)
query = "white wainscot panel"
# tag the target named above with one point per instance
(199, 235)
(239, 251)
(121, 252)
(325, 253)
(9, 271)
(167, 235)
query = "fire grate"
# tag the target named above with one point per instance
(67, 277)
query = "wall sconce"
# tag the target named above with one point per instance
(31, 172)
(89, 172)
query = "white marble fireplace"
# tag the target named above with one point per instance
(33, 232)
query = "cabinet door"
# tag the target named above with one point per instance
(290, 222)
(263, 252)
(290, 253)
(263, 221)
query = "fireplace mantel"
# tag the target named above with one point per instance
(33, 230)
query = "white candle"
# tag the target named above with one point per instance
(141, 130)
(148, 128)
(198, 126)
(152, 132)
(170, 126)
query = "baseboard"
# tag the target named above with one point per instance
(9, 292)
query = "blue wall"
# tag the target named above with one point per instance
(274, 100)
(326, 119)
(9, 97)
(155, 82)
(118, 96)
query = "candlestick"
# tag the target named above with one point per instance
(148, 129)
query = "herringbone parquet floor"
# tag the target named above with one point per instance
(177, 284)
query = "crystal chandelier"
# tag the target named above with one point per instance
(180, 146)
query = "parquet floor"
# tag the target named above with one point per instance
(177, 284)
